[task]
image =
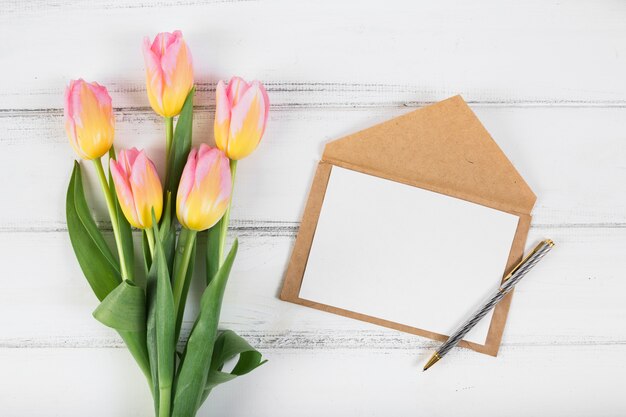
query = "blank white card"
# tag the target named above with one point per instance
(404, 254)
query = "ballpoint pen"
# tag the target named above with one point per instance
(507, 285)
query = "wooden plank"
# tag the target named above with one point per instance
(574, 297)
(571, 157)
(532, 52)
(542, 380)
(546, 78)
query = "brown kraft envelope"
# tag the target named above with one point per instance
(442, 148)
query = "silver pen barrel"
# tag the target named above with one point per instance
(507, 285)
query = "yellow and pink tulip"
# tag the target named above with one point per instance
(204, 190)
(138, 187)
(89, 120)
(240, 117)
(169, 72)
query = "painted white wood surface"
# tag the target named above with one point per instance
(547, 80)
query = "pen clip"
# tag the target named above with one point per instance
(523, 261)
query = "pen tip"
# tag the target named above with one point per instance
(433, 360)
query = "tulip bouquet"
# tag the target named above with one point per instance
(145, 304)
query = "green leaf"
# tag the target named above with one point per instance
(196, 361)
(181, 145)
(165, 321)
(145, 250)
(167, 232)
(126, 232)
(166, 238)
(166, 218)
(216, 236)
(184, 238)
(92, 252)
(228, 345)
(151, 285)
(213, 250)
(124, 308)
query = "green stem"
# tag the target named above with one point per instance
(226, 218)
(113, 215)
(180, 269)
(169, 135)
(150, 239)
(165, 394)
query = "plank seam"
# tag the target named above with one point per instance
(286, 107)
(277, 228)
(335, 89)
(298, 340)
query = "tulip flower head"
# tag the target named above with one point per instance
(240, 117)
(138, 187)
(169, 72)
(89, 120)
(204, 190)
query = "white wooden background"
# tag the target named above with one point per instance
(547, 78)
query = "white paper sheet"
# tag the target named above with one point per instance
(405, 254)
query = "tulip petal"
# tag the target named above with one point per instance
(70, 124)
(102, 95)
(247, 123)
(209, 196)
(89, 119)
(154, 76)
(186, 184)
(222, 116)
(68, 108)
(169, 72)
(266, 100)
(169, 61)
(237, 87)
(126, 159)
(203, 150)
(163, 40)
(225, 179)
(178, 76)
(205, 161)
(146, 190)
(124, 192)
(208, 201)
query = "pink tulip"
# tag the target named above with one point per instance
(89, 120)
(204, 190)
(169, 72)
(138, 187)
(240, 117)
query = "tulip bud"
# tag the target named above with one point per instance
(240, 117)
(89, 120)
(169, 72)
(204, 190)
(138, 187)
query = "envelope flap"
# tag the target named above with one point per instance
(442, 147)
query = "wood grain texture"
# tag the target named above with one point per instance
(575, 184)
(545, 77)
(329, 52)
(580, 277)
(539, 380)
